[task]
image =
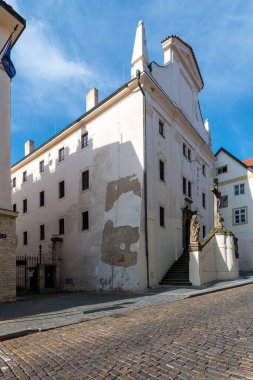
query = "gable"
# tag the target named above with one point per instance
(235, 167)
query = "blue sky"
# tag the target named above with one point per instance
(70, 46)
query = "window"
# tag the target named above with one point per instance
(161, 128)
(41, 166)
(61, 154)
(14, 207)
(184, 150)
(223, 201)
(25, 176)
(203, 231)
(162, 216)
(240, 215)
(222, 169)
(85, 220)
(184, 186)
(84, 140)
(61, 189)
(204, 170)
(239, 189)
(189, 154)
(25, 238)
(85, 180)
(42, 232)
(189, 189)
(161, 169)
(61, 226)
(14, 182)
(204, 200)
(42, 198)
(24, 205)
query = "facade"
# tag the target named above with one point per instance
(119, 185)
(9, 19)
(235, 182)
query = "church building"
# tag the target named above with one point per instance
(111, 196)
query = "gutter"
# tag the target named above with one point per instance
(138, 75)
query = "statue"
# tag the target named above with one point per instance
(195, 227)
(218, 223)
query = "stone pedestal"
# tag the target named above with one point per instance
(7, 255)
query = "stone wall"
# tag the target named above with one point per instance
(7, 256)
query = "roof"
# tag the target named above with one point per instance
(194, 57)
(248, 162)
(6, 7)
(232, 156)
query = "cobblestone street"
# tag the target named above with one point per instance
(206, 337)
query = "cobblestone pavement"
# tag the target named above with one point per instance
(207, 337)
(43, 312)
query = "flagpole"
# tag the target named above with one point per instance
(14, 30)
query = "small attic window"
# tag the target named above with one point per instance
(222, 169)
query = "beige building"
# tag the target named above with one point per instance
(9, 20)
(235, 181)
(118, 186)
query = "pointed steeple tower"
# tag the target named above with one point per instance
(140, 53)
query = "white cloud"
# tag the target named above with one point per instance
(39, 58)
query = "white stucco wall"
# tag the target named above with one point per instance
(114, 152)
(235, 175)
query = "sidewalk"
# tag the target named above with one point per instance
(43, 312)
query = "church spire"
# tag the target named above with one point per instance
(140, 53)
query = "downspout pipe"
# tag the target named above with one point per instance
(138, 76)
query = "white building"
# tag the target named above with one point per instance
(235, 181)
(120, 184)
(9, 21)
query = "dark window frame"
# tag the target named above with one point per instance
(162, 216)
(25, 176)
(41, 166)
(161, 128)
(85, 180)
(61, 154)
(25, 238)
(61, 189)
(162, 170)
(25, 206)
(42, 231)
(61, 225)
(204, 200)
(84, 140)
(42, 198)
(85, 220)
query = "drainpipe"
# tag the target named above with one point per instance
(138, 75)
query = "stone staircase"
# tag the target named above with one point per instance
(178, 274)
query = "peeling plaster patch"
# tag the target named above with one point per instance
(118, 187)
(126, 211)
(113, 240)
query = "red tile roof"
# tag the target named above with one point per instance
(248, 162)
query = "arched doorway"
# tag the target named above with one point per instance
(186, 221)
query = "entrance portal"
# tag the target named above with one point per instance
(186, 221)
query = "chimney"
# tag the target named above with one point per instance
(29, 147)
(91, 99)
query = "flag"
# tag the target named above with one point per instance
(7, 63)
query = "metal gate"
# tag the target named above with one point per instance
(26, 275)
